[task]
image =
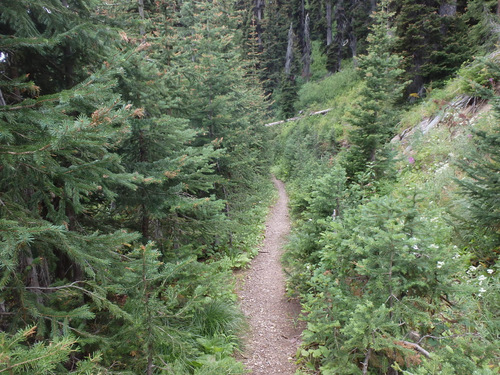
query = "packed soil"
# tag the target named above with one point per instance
(274, 330)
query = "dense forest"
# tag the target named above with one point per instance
(135, 177)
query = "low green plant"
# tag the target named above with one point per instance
(316, 94)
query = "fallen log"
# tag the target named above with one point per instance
(322, 112)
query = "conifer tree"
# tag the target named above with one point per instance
(374, 116)
(384, 272)
(174, 205)
(227, 105)
(482, 18)
(58, 173)
(352, 21)
(482, 185)
(432, 39)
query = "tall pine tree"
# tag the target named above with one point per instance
(374, 116)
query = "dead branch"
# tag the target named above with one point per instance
(322, 112)
(417, 347)
(365, 362)
(26, 152)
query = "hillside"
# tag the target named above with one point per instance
(394, 272)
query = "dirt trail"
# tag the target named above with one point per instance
(274, 332)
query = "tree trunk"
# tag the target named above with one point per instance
(34, 280)
(448, 8)
(289, 51)
(2, 100)
(366, 361)
(141, 14)
(340, 18)
(259, 14)
(68, 66)
(306, 71)
(329, 35)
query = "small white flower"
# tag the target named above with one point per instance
(489, 270)
(482, 290)
(481, 278)
(456, 256)
(434, 246)
(440, 264)
(415, 247)
(472, 268)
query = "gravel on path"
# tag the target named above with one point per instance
(274, 329)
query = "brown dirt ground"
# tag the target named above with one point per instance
(274, 329)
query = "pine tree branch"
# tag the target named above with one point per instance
(56, 348)
(30, 105)
(54, 288)
(447, 337)
(26, 152)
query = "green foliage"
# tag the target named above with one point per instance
(483, 23)
(20, 357)
(286, 96)
(318, 95)
(402, 278)
(432, 43)
(118, 125)
(482, 168)
(179, 313)
(374, 117)
(480, 77)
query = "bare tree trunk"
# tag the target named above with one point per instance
(68, 61)
(341, 31)
(365, 362)
(289, 51)
(33, 280)
(306, 58)
(353, 43)
(448, 8)
(2, 100)
(302, 23)
(259, 14)
(141, 14)
(329, 35)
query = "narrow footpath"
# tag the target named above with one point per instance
(274, 332)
